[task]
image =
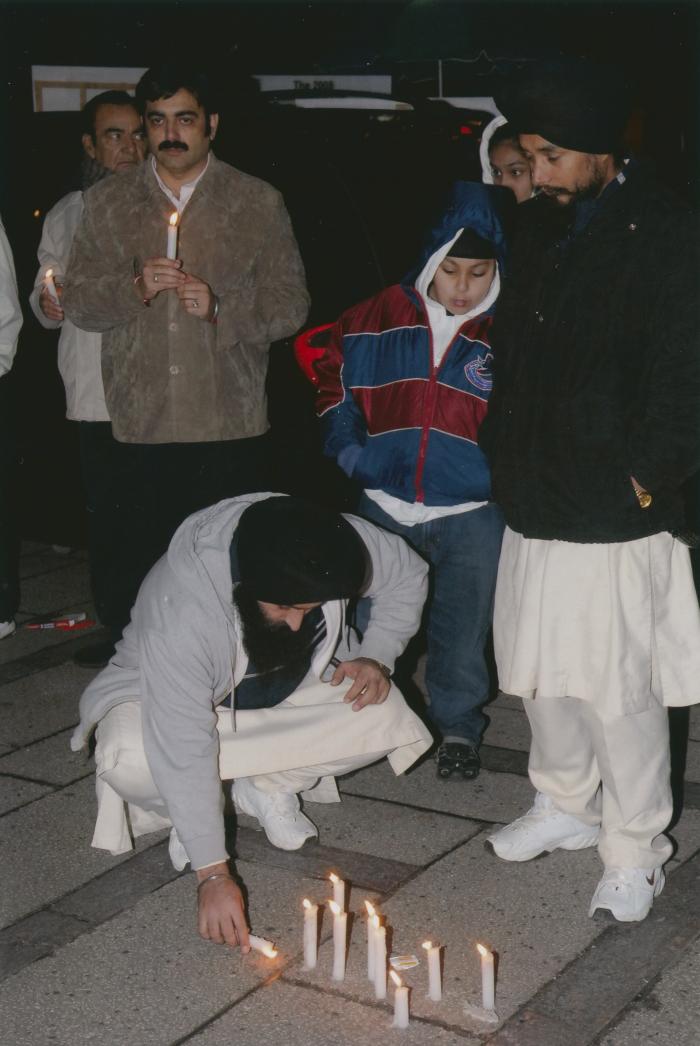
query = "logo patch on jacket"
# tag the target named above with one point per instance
(478, 372)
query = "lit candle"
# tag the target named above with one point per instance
(434, 975)
(338, 891)
(310, 934)
(371, 916)
(340, 930)
(379, 959)
(400, 1002)
(51, 286)
(172, 236)
(259, 944)
(488, 982)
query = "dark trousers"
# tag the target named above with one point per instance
(138, 494)
(9, 538)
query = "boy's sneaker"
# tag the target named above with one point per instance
(279, 814)
(460, 757)
(177, 852)
(542, 829)
(7, 628)
(628, 892)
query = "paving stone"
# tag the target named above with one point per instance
(42, 560)
(666, 1015)
(284, 1013)
(38, 935)
(51, 838)
(40, 705)
(492, 797)
(51, 760)
(692, 766)
(509, 728)
(54, 592)
(385, 830)
(25, 642)
(686, 834)
(15, 792)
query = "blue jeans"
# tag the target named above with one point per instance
(463, 552)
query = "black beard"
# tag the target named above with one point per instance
(588, 192)
(92, 172)
(269, 644)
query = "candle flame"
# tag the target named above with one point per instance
(174, 218)
(481, 950)
(269, 951)
(395, 978)
(370, 909)
(335, 908)
(306, 902)
(49, 274)
(427, 945)
(334, 878)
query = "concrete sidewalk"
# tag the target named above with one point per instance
(103, 951)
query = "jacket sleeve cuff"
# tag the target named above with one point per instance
(206, 849)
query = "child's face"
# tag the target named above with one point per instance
(460, 284)
(510, 168)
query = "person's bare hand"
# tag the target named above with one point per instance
(370, 683)
(196, 297)
(48, 306)
(221, 914)
(159, 274)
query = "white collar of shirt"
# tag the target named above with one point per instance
(186, 190)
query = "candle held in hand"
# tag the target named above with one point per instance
(310, 934)
(400, 1002)
(259, 944)
(171, 251)
(51, 286)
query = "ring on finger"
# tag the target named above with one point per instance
(195, 304)
(155, 277)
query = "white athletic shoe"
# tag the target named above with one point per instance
(178, 854)
(6, 629)
(628, 892)
(279, 814)
(542, 829)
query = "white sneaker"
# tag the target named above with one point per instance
(628, 892)
(542, 829)
(178, 854)
(6, 629)
(279, 814)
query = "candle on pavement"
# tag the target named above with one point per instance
(171, 251)
(400, 1002)
(310, 934)
(371, 916)
(434, 974)
(379, 960)
(338, 890)
(340, 931)
(488, 980)
(259, 944)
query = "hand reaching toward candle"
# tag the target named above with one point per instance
(220, 910)
(197, 298)
(48, 305)
(159, 274)
(371, 682)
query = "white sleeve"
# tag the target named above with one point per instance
(10, 312)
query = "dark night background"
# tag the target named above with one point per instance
(360, 192)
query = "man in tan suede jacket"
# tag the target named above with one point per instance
(185, 340)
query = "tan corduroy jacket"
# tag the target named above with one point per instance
(170, 377)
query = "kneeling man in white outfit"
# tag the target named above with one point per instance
(241, 662)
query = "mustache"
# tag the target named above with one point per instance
(167, 144)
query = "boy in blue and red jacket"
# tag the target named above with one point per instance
(404, 383)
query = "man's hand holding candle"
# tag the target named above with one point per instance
(220, 911)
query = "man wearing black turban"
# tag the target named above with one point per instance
(241, 662)
(593, 427)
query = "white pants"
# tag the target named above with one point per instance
(299, 745)
(612, 771)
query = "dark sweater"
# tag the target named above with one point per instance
(596, 348)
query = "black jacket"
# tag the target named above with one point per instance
(596, 348)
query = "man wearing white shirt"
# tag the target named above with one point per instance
(113, 141)
(10, 324)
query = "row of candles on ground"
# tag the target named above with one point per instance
(170, 252)
(377, 957)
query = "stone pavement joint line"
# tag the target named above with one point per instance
(49, 657)
(591, 991)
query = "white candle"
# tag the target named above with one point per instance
(171, 251)
(340, 931)
(379, 960)
(371, 917)
(259, 944)
(488, 981)
(310, 934)
(51, 286)
(434, 974)
(400, 1002)
(338, 890)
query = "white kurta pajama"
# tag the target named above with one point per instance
(599, 639)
